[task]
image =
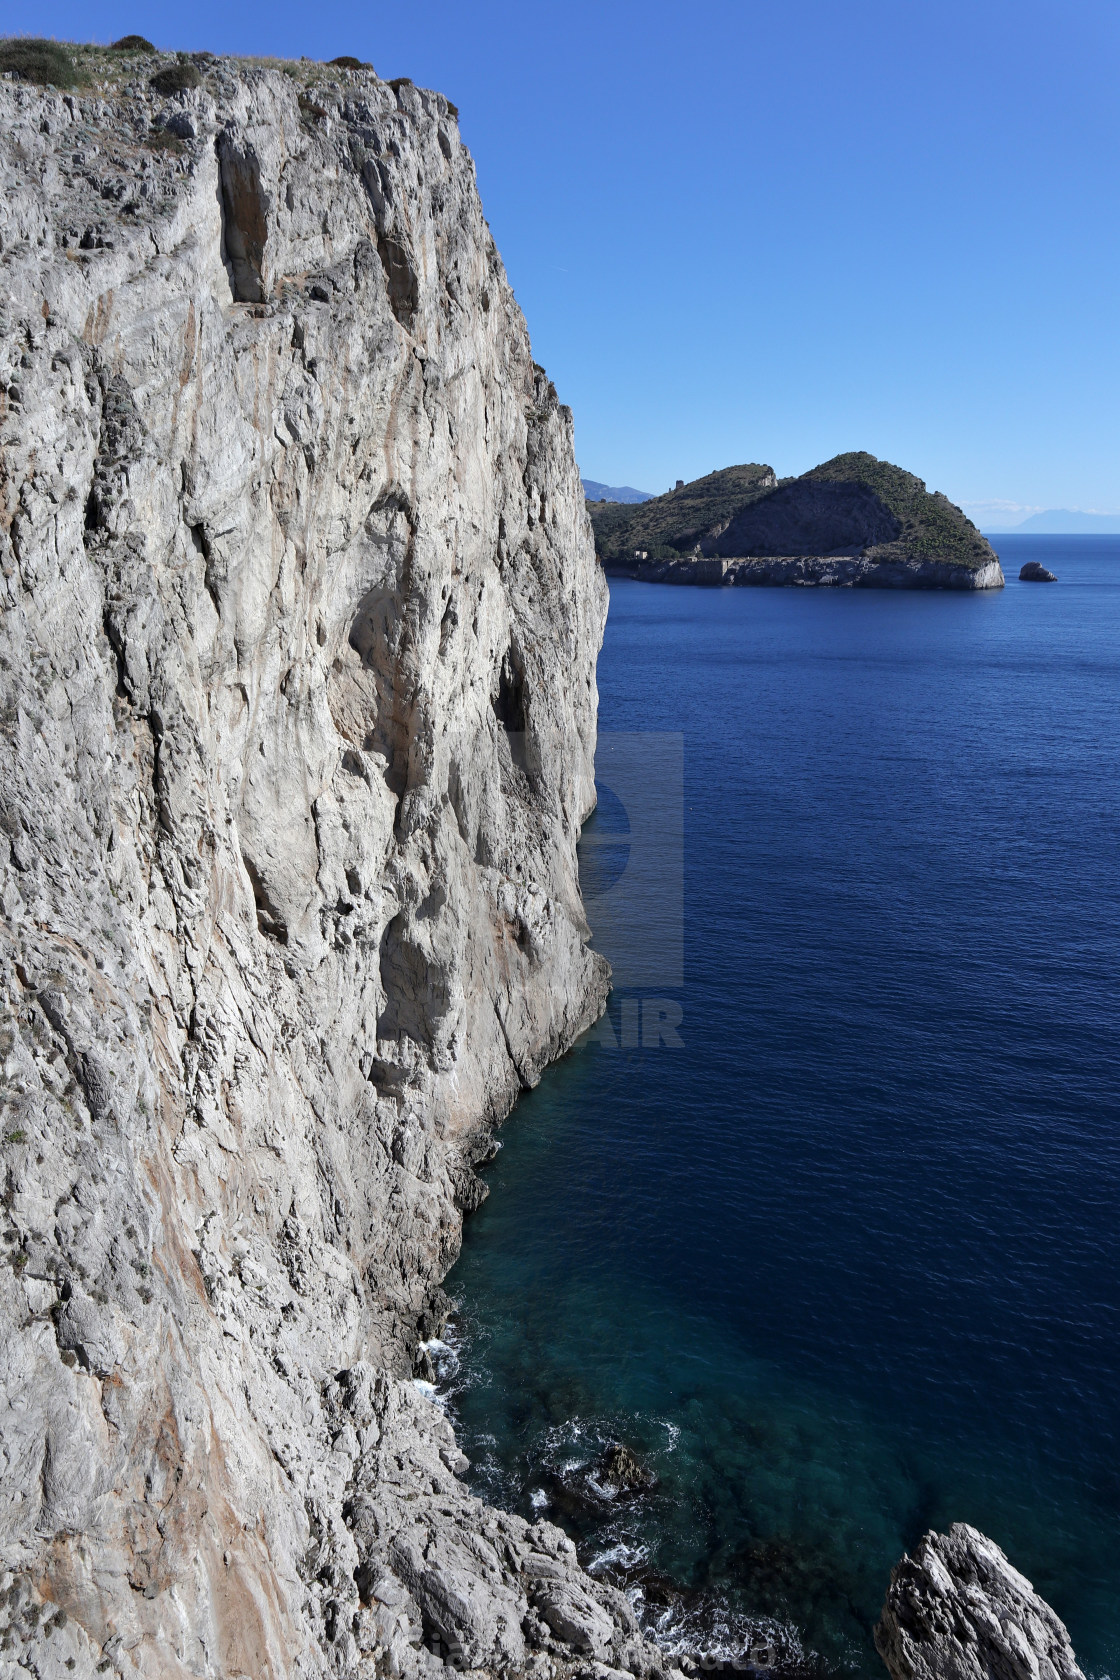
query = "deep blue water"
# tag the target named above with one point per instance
(846, 1264)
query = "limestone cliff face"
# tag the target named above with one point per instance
(957, 1610)
(297, 693)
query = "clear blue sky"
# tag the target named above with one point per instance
(774, 231)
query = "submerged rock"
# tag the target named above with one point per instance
(957, 1610)
(1035, 572)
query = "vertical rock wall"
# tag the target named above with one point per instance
(297, 696)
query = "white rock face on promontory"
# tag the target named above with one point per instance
(957, 1610)
(298, 709)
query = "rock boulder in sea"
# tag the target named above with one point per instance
(957, 1610)
(621, 1469)
(1035, 572)
(300, 616)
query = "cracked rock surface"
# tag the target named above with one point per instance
(299, 617)
(957, 1610)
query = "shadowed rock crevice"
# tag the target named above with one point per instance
(415, 989)
(813, 518)
(384, 687)
(510, 701)
(270, 918)
(400, 278)
(245, 206)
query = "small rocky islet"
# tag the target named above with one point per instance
(253, 325)
(853, 521)
(1035, 572)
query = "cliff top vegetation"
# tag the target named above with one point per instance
(668, 526)
(67, 64)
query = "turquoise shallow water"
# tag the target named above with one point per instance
(844, 1263)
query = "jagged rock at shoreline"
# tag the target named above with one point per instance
(297, 693)
(1035, 572)
(853, 521)
(957, 1610)
(837, 571)
(620, 1469)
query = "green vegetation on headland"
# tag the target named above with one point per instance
(853, 504)
(931, 526)
(43, 62)
(671, 525)
(76, 64)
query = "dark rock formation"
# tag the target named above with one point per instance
(957, 1610)
(808, 517)
(1035, 572)
(620, 1469)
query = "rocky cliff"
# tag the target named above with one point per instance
(299, 624)
(957, 1610)
(297, 691)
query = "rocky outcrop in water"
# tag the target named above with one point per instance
(297, 697)
(622, 1471)
(852, 521)
(1035, 572)
(957, 1610)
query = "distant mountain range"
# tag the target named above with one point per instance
(1061, 522)
(596, 492)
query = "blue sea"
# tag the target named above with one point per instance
(843, 1263)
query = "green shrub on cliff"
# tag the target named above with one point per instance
(36, 60)
(177, 78)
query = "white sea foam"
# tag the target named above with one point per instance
(444, 1357)
(619, 1556)
(712, 1633)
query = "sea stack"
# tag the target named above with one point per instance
(1035, 572)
